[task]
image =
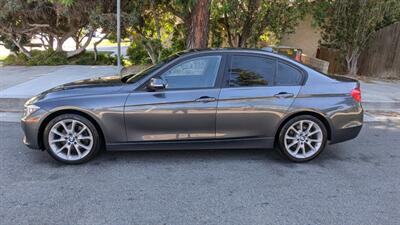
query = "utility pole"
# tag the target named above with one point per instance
(119, 36)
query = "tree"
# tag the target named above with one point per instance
(349, 24)
(195, 16)
(19, 21)
(149, 26)
(243, 22)
(71, 19)
(103, 16)
(198, 30)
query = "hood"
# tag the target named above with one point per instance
(94, 82)
(94, 86)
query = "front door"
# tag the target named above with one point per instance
(184, 110)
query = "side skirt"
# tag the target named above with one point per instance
(193, 144)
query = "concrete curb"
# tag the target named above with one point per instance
(381, 106)
(17, 105)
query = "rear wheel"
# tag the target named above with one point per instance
(71, 139)
(302, 138)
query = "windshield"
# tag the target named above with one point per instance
(135, 77)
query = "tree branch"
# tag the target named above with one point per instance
(83, 47)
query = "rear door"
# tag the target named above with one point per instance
(257, 91)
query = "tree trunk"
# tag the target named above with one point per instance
(22, 49)
(198, 31)
(352, 62)
(248, 23)
(95, 46)
(352, 66)
(156, 19)
(151, 52)
(45, 46)
(83, 47)
(51, 42)
(228, 30)
(60, 42)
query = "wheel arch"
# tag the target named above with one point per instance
(54, 114)
(317, 115)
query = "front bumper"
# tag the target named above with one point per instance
(31, 127)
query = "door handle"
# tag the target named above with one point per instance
(206, 99)
(284, 95)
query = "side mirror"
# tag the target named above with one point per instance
(156, 84)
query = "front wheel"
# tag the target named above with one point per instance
(302, 138)
(71, 139)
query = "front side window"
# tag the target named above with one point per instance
(251, 71)
(199, 72)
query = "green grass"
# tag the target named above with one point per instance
(108, 43)
(2, 58)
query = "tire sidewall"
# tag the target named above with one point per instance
(92, 128)
(282, 133)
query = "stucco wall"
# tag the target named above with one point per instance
(305, 37)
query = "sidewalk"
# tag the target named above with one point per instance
(18, 83)
(381, 95)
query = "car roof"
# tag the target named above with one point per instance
(232, 50)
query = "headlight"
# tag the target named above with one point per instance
(29, 109)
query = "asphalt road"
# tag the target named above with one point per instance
(357, 182)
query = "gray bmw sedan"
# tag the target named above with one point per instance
(198, 99)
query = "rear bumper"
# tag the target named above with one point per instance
(345, 134)
(347, 124)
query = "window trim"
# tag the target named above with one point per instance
(218, 80)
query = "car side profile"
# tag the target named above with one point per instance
(198, 99)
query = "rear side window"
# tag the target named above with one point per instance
(251, 71)
(287, 75)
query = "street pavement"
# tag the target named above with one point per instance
(356, 182)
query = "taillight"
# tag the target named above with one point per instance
(356, 94)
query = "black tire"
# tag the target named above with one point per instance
(285, 128)
(96, 138)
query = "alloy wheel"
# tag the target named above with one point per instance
(303, 139)
(70, 139)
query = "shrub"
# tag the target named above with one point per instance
(52, 58)
(87, 58)
(47, 58)
(137, 54)
(17, 60)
